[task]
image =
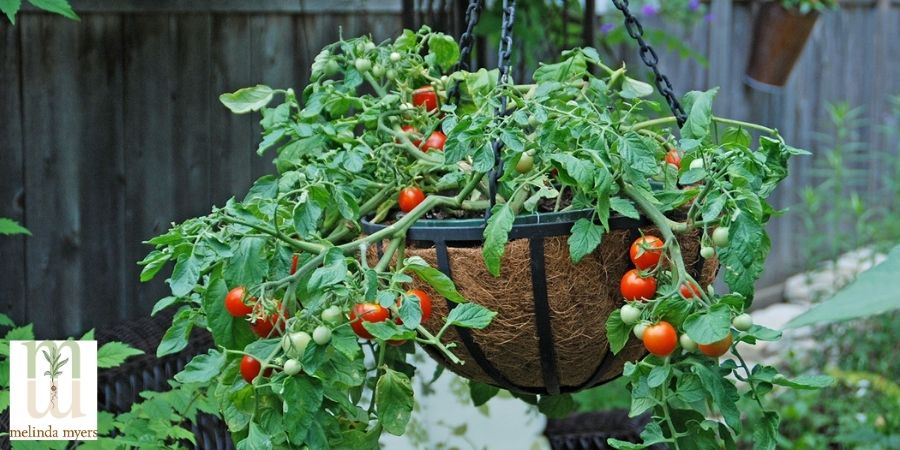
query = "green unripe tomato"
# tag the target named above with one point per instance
(332, 67)
(697, 163)
(533, 122)
(322, 335)
(363, 65)
(630, 315)
(707, 252)
(378, 71)
(292, 367)
(395, 57)
(639, 330)
(720, 237)
(332, 315)
(742, 322)
(391, 74)
(525, 163)
(687, 343)
(294, 344)
(369, 46)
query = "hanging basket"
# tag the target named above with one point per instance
(779, 36)
(549, 335)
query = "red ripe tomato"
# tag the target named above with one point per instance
(718, 348)
(425, 96)
(366, 312)
(250, 367)
(412, 132)
(673, 158)
(265, 324)
(660, 339)
(435, 141)
(646, 251)
(409, 198)
(396, 342)
(294, 262)
(424, 302)
(234, 302)
(689, 292)
(633, 287)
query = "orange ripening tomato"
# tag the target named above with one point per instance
(718, 348)
(660, 339)
(673, 158)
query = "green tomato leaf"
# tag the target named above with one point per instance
(445, 50)
(722, 391)
(577, 169)
(496, 235)
(689, 388)
(585, 237)
(185, 275)
(481, 392)
(162, 304)
(10, 227)
(436, 279)
(470, 315)
(624, 207)
(388, 330)
(334, 270)
(639, 155)
(256, 439)
(5, 321)
(632, 88)
(693, 176)
(745, 254)
(112, 354)
(699, 113)
(393, 401)
(247, 99)
(765, 431)
(249, 265)
(658, 376)
(616, 332)
(302, 399)
(555, 406)
(706, 327)
(10, 8)
(176, 337)
(203, 368)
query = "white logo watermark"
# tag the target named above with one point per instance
(53, 390)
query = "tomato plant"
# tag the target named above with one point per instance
(348, 147)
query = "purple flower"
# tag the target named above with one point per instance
(694, 5)
(607, 27)
(649, 10)
(708, 18)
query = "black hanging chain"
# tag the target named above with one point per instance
(466, 42)
(506, 45)
(651, 59)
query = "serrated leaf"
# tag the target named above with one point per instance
(616, 332)
(202, 368)
(496, 235)
(10, 227)
(302, 398)
(624, 207)
(708, 326)
(436, 279)
(112, 354)
(247, 99)
(585, 237)
(699, 114)
(470, 315)
(176, 337)
(249, 265)
(393, 401)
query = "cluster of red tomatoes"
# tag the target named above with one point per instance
(374, 312)
(424, 97)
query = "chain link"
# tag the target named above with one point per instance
(503, 54)
(651, 59)
(466, 42)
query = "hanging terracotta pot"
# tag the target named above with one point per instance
(779, 36)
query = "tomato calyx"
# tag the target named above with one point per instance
(265, 324)
(646, 252)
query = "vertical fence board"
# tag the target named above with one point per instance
(12, 277)
(272, 56)
(152, 188)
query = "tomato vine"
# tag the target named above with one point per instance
(349, 144)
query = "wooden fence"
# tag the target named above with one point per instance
(110, 128)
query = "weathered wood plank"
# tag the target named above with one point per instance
(232, 138)
(152, 188)
(12, 193)
(272, 40)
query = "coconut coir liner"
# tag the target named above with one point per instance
(581, 296)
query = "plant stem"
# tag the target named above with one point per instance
(389, 253)
(735, 122)
(306, 246)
